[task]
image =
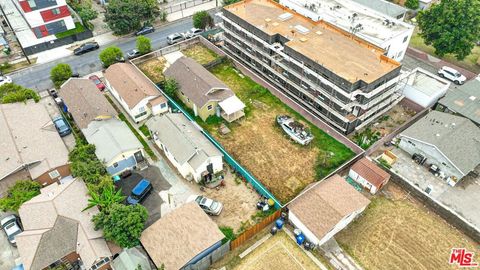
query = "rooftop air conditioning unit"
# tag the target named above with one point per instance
(302, 29)
(285, 16)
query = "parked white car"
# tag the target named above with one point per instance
(5, 79)
(452, 75)
(193, 32)
(11, 227)
(210, 206)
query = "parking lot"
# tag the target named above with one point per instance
(153, 201)
(463, 198)
(8, 253)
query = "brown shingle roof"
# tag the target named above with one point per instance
(130, 84)
(324, 205)
(371, 172)
(85, 102)
(179, 236)
(196, 82)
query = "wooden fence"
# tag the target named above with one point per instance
(254, 230)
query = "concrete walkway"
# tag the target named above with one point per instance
(338, 258)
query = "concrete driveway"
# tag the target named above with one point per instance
(153, 201)
(8, 253)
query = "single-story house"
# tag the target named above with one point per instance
(30, 146)
(425, 88)
(326, 208)
(57, 230)
(369, 175)
(194, 156)
(450, 142)
(130, 259)
(135, 92)
(201, 91)
(85, 102)
(463, 100)
(181, 238)
(115, 145)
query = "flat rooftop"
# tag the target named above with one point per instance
(340, 52)
(428, 83)
(375, 27)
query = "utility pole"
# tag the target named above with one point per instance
(15, 34)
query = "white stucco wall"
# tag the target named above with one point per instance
(157, 109)
(433, 155)
(362, 181)
(217, 163)
(124, 155)
(298, 224)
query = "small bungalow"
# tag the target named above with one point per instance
(194, 156)
(326, 208)
(115, 145)
(181, 238)
(369, 175)
(137, 95)
(202, 92)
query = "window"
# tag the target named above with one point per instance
(399, 54)
(163, 105)
(141, 109)
(115, 165)
(56, 11)
(405, 39)
(209, 107)
(140, 114)
(54, 174)
(444, 164)
(32, 3)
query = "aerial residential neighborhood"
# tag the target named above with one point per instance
(239, 134)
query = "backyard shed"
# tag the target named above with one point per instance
(182, 237)
(369, 175)
(326, 208)
(130, 259)
(425, 88)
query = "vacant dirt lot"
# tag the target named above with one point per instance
(200, 53)
(399, 233)
(239, 201)
(153, 69)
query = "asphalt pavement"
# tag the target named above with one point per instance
(37, 77)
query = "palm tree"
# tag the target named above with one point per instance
(105, 198)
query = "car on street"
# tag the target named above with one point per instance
(193, 32)
(87, 47)
(145, 30)
(210, 206)
(5, 80)
(98, 83)
(62, 126)
(133, 53)
(11, 227)
(139, 192)
(175, 38)
(452, 75)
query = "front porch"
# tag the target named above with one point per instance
(231, 109)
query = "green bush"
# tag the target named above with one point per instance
(60, 74)
(124, 16)
(19, 193)
(144, 45)
(202, 20)
(79, 28)
(11, 93)
(110, 56)
(85, 164)
(228, 232)
(170, 87)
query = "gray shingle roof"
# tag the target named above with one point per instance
(384, 7)
(111, 138)
(182, 139)
(196, 82)
(465, 100)
(455, 136)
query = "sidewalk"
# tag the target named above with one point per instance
(190, 11)
(436, 62)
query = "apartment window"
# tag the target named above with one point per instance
(405, 39)
(209, 107)
(54, 174)
(411, 143)
(304, 86)
(56, 11)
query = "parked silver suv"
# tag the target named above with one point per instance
(175, 38)
(452, 75)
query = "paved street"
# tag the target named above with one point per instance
(38, 77)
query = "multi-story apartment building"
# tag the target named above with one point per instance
(360, 19)
(46, 17)
(342, 79)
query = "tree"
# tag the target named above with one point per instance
(110, 56)
(122, 224)
(19, 193)
(229, 2)
(144, 45)
(105, 197)
(11, 93)
(451, 26)
(60, 74)
(170, 87)
(202, 20)
(412, 4)
(84, 164)
(125, 16)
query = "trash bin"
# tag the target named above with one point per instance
(279, 223)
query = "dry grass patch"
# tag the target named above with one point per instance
(153, 69)
(200, 53)
(400, 233)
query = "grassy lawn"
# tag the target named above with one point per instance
(144, 129)
(283, 166)
(469, 63)
(79, 28)
(400, 233)
(153, 69)
(200, 53)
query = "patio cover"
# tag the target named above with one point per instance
(231, 105)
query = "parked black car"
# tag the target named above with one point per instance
(145, 30)
(87, 47)
(62, 126)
